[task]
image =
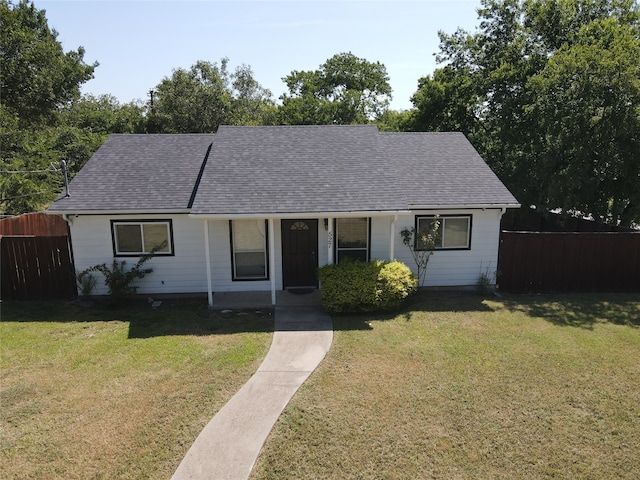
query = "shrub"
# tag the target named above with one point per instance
(355, 287)
(118, 279)
(395, 283)
(86, 282)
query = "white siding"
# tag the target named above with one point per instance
(221, 272)
(185, 272)
(458, 267)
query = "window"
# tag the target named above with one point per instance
(137, 237)
(249, 249)
(353, 239)
(454, 231)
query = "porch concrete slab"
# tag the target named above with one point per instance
(243, 300)
(228, 446)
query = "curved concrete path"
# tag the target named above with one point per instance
(228, 446)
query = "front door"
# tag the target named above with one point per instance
(299, 253)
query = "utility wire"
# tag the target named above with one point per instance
(52, 170)
(23, 196)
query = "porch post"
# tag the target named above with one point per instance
(392, 238)
(207, 256)
(272, 260)
(330, 241)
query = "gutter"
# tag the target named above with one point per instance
(291, 215)
(150, 211)
(465, 206)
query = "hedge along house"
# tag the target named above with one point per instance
(261, 208)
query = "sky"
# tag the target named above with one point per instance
(138, 43)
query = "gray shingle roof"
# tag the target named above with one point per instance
(285, 169)
(296, 169)
(442, 169)
(138, 173)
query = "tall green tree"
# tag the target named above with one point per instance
(37, 80)
(251, 103)
(207, 95)
(37, 76)
(548, 92)
(344, 90)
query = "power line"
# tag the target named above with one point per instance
(51, 170)
(23, 196)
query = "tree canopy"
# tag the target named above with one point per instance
(37, 78)
(344, 90)
(549, 93)
(206, 96)
(37, 75)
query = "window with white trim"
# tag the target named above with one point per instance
(139, 237)
(352, 236)
(249, 249)
(454, 231)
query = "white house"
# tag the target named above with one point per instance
(260, 208)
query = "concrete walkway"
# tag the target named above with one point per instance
(228, 446)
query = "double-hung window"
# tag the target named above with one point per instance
(352, 236)
(139, 237)
(454, 231)
(249, 249)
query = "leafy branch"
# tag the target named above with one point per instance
(421, 244)
(117, 279)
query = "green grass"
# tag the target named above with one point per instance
(458, 386)
(454, 386)
(102, 393)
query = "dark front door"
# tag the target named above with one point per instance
(299, 253)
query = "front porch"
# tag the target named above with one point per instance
(255, 299)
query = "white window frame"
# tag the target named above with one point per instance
(141, 224)
(234, 272)
(339, 249)
(441, 237)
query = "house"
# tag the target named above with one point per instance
(260, 208)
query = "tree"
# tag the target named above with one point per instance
(103, 114)
(37, 80)
(192, 101)
(344, 90)
(206, 96)
(548, 92)
(394, 120)
(421, 244)
(251, 104)
(587, 102)
(37, 76)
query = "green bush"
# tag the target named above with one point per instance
(117, 278)
(355, 287)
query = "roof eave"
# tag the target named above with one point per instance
(327, 214)
(464, 206)
(139, 211)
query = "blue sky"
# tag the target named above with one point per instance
(138, 43)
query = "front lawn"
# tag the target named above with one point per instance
(459, 387)
(103, 393)
(455, 386)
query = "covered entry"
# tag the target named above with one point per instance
(299, 253)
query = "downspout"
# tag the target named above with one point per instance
(392, 238)
(69, 220)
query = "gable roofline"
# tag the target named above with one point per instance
(284, 171)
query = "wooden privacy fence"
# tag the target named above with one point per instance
(569, 262)
(38, 224)
(36, 268)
